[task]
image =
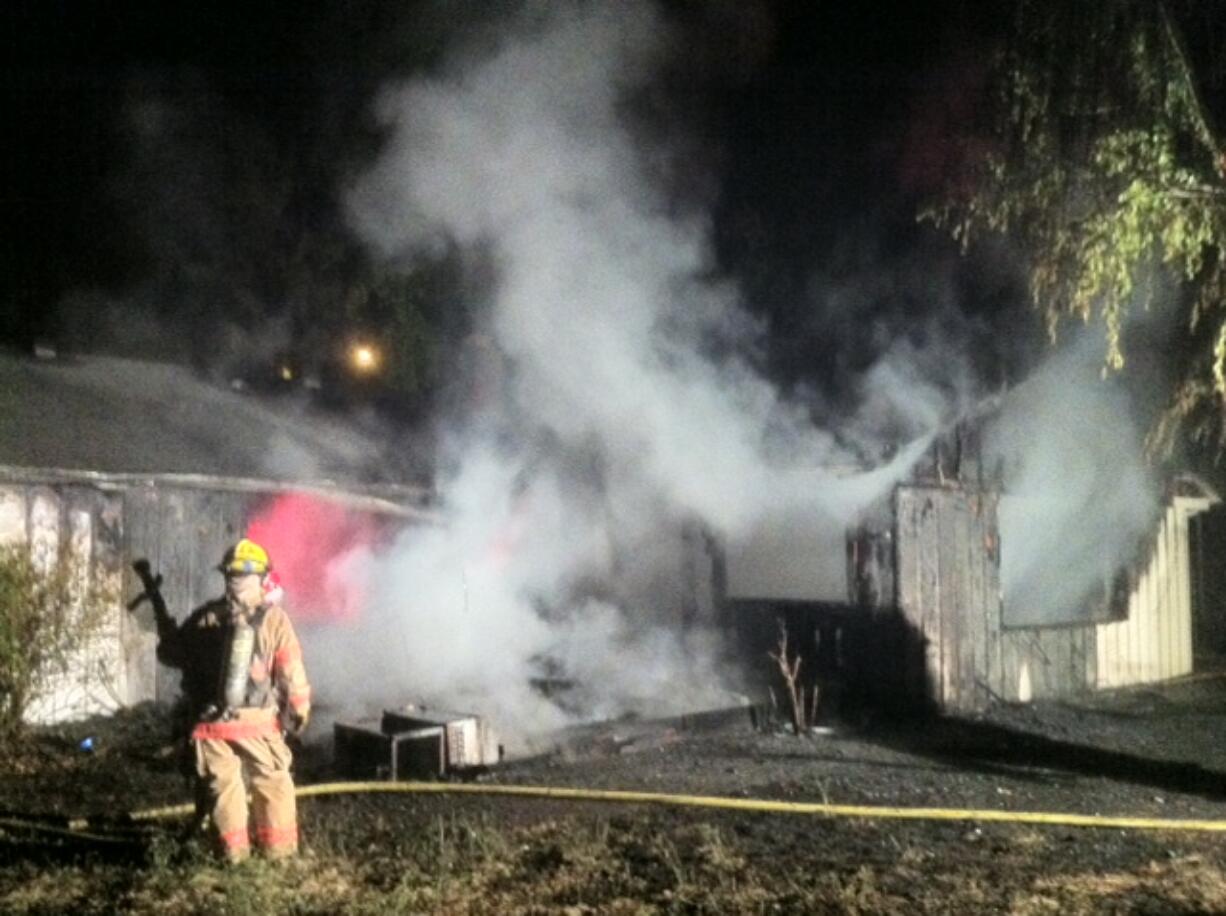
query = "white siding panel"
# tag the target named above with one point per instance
(1154, 642)
(91, 681)
(12, 516)
(44, 529)
(1170, 619)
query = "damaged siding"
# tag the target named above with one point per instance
(1151, 642)
(180, 524)
(182, 533)
(1154, 640)
(947, 591)
(1047, 662)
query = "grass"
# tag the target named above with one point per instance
(469, 863)
(411, 854)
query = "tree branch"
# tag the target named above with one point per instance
(1204, 123)
(1200, 192)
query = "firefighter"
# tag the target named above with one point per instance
(244, 682)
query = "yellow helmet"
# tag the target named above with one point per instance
(245, 557)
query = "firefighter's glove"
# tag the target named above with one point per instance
(298, 721)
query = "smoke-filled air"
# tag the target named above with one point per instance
(627, 433)
(577, 513)
(1079, 497)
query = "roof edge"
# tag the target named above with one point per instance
(393, 499)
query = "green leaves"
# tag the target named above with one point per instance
(47, 615)
(1103, 166)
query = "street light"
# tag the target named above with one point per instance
(364, 358)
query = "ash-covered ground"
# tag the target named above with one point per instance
(1157, 752)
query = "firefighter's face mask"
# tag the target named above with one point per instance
(245, 589)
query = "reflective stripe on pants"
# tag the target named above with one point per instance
(220, 764)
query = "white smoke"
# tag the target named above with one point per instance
(1079, 495)
(562, 550)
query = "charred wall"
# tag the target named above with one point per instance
(931, 561)
(948, 589)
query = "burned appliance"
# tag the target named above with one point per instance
(415, 742)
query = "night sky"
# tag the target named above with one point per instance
(815, 131)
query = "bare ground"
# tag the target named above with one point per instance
(1157, 753)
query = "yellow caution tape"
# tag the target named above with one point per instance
(1054, 819)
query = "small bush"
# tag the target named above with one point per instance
(48, 614)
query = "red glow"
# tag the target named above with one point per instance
(509, 538)
(306, 536)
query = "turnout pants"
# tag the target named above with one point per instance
(250, 744)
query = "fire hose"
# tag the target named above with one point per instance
(77, 828)
(769, 806)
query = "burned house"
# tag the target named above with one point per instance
(907, 609)
(179, 525)
(925, 621)
(148, 463)
(143, 462)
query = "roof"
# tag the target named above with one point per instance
(116, 415)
